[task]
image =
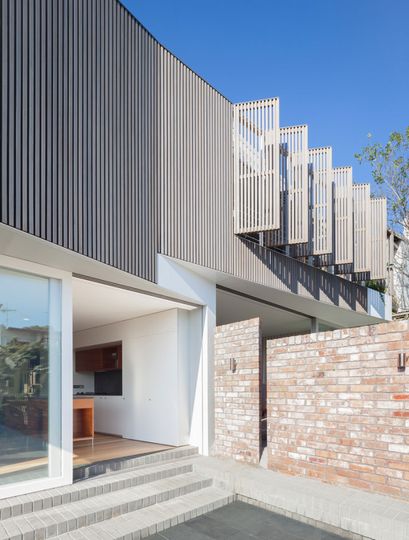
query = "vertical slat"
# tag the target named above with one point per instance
(361, 227)
(378, 238)
(343, 248)
(322, 212)
(256, 158)
(293, 169)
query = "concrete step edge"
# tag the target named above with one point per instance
(34, 502)
(157, 518)
(56, 521)
(41, 500)
(118, 465)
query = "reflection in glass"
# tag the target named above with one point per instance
(29, 376)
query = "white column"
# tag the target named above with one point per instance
(202, 322)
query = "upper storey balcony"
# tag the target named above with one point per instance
(290, 198)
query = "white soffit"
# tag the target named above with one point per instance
(97, 304)
(274, 322)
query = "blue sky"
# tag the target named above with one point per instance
(340, 66)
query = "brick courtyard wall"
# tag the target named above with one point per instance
(338, 409)
(237, 391)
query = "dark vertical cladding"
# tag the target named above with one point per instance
(101, 128)
(113, 148)
(79, 92)
(196, 168)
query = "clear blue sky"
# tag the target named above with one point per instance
(340, 66)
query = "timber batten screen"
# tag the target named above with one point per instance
(321, 190)
(256, 166)
(362, 227)
(343, 236)
(378, 240)
(293, 188)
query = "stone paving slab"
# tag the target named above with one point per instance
(240, 521)
(350, 512)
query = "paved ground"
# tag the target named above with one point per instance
(240, 521)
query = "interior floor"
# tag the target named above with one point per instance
(106, 447)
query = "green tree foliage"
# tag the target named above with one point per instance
(390, 170)
(17, 360)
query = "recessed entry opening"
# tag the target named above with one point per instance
(131, 377)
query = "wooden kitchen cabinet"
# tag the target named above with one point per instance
(83, 419)
(112, 357)
(103, 358)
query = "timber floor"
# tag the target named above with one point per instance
(108, 447)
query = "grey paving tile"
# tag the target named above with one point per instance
(182, 532)
(217, 530)
(241, 521)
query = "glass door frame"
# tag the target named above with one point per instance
(61, 458)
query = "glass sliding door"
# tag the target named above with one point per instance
(30, 377)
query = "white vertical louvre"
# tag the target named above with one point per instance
(293, 187)
(362, 227)
(378, 238)
(321, 188)
(256, 166)
(344, 247)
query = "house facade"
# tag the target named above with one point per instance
(139, 209)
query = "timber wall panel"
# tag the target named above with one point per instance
(78, 129)
(113, 148)
(196, 187)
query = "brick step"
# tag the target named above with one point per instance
(85, 472)
(14, 506)
(54, 522)
(156, 518)
(41, 500)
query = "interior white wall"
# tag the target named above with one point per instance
(155, 405)
(83, 378)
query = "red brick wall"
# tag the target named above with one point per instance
(338, 409)
(237, 394)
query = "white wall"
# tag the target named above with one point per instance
(85, 379)
(176, 278)
(157, 374)
(401, 273)
(379, 304)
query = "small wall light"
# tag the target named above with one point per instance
(401, 361)
(233, 365)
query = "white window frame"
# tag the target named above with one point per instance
(29, 486)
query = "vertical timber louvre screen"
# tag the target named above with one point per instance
(293, 188)
(321, 187)
(343, 215)
(256, 166)
(378, 238)
(361, 227)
